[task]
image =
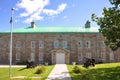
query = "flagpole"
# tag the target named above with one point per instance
(11, 22)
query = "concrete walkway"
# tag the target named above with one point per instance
(7, 66)
(60, 72)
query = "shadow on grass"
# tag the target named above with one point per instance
(22, 69)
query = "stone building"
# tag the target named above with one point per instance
(56, 45)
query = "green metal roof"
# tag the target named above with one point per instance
(54, 29)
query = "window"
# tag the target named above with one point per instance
(80, 57)
(88, 44)
(40, 56)
(102, 44)
(80, 44)
(18, 44)
(56, 44)
(17, 56)
(111, 56)
(32, 57)
(41, 44)
(103, 56)
(88, 55)
(64, 44)
(33, 44)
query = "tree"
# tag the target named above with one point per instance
(110, 24)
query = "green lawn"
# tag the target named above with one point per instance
(4, 73)
(108, 71)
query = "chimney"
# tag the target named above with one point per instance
(87, 25)
(33, 24)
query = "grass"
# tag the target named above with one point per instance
(108, 71)
(28, 73)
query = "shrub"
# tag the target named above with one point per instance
(76, 69)
(117, 68)
(40, 69)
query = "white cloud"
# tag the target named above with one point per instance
(55, 12)
(16, 21)
(62, 7)
(33, 9)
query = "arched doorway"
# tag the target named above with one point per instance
(60, 56)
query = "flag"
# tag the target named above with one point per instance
(11, 20)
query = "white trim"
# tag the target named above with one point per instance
(111, 56)
(80, 57)
(103, 44)
(32, 44)
(103, 56)
(64, 44)
(56, 44)
(32, 57)
(18, 56)
(88, 44)
(88, 55)
(80, 44)
(18, 44)
(41, 44)
(40, 56)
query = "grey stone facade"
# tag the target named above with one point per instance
(79, 46)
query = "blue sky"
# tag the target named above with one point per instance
(63, 13)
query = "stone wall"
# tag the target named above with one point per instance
(72, 39)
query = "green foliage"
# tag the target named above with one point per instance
(88, 76)
(106, 71)
(76, 69)
(115, 2)
(22, 71)
(110, 24)
(40, 69)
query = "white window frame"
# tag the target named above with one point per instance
(89, 55)
(40, 56)
(41, 44)
(32, 57)
(64, 44)
(56, 44)
(80, 44)
(88, 44)
(103, 44)
(111, 56)
(80, 57)
(32, 44)
(103, 56)
(18, 44)
(18, 56)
